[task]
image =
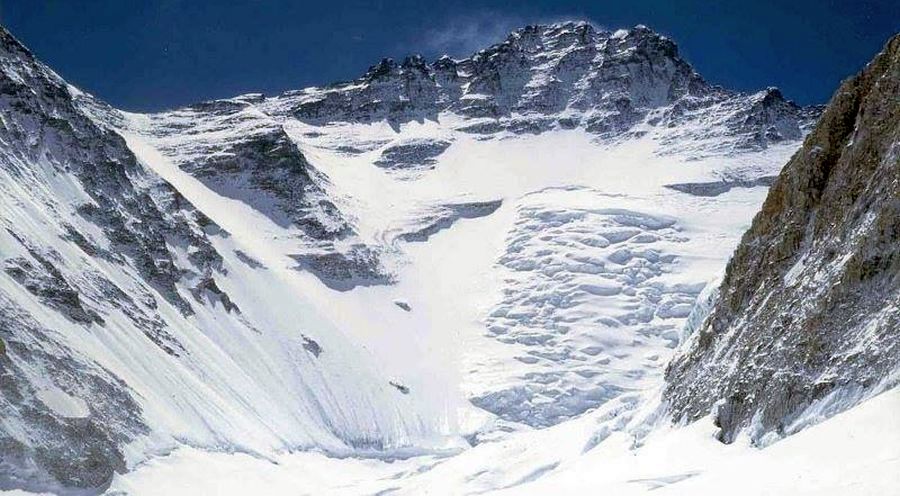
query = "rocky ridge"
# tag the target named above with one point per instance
(558, 76)
(806, 317)
(92, 193)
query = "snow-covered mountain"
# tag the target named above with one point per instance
(434, 256)
(133, 322)
(561, 76)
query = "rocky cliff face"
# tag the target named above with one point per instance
(808, 313)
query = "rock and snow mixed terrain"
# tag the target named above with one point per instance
(809, 308)
(466, 275)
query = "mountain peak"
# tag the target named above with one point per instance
(546, 76)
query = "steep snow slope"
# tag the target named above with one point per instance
(574, 289)
(133, 322)
(401, 155)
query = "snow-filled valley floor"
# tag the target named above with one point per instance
(851, 453)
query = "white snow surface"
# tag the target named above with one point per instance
(555, 314)
(855, 452)
(62, 403)
(576, 288)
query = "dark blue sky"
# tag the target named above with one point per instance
(155, 55)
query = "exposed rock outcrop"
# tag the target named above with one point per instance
(808, 313)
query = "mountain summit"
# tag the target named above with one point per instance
(557, 76)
